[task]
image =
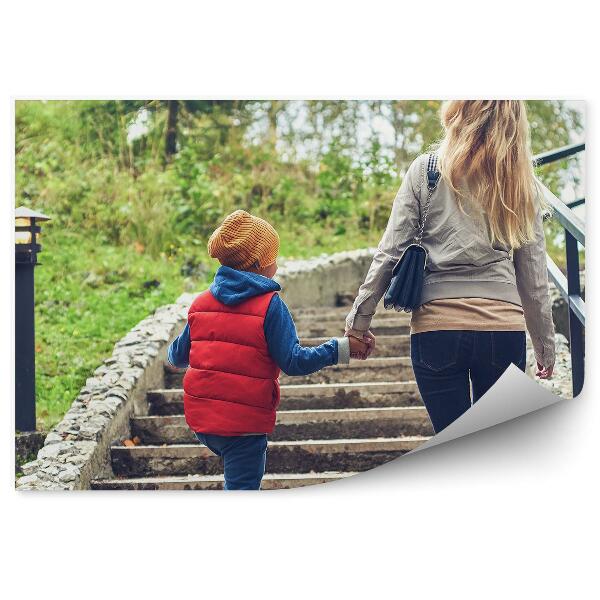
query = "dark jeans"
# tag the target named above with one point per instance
(454, 369)
(244, 458)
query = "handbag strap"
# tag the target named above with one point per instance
(433, 177)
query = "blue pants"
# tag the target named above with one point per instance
(244, 458)
(454, 369)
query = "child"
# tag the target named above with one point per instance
(238, 336)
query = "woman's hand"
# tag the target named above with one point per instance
(544, 372)
(369, 339)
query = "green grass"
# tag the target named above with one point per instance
(89, 294)
(304, 242)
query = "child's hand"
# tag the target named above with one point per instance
(358, 348)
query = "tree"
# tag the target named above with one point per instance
(171, 134)
(274, 108)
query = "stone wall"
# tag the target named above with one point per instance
(324, 281)
(27, 445)
(78, 447)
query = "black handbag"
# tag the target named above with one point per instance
(405, 289)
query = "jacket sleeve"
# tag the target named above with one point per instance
(401, 229)
(532, 283)
(285, 349)
(179, 350)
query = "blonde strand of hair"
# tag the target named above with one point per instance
(485, 158)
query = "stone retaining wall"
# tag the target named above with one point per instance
(324, 281)
(77, 449)
(27, 445)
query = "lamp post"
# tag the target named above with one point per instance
(27, 247)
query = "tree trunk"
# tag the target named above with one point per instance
(275, 107)
(171, 135)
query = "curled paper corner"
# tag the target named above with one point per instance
(513, 395)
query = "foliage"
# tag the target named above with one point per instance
(88, 295)
(130, 220)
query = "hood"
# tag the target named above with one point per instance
(232, 286)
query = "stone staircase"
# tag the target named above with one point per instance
(330, 425)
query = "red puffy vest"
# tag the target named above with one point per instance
(231, 386)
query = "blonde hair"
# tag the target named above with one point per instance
(485, 157)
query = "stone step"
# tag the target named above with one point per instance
(389, 368)
(282, 457)
(317, 328)
(302, 397)
(272, 481)
(373, 369)
(340, 313)
(387, 346)
(302, 425)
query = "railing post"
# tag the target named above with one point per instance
(571, 288)
(576, 330)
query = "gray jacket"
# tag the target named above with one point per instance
(462, 262)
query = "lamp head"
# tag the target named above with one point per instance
(27, 234)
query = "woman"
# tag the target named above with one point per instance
(486, 275)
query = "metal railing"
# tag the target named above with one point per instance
(569, 286)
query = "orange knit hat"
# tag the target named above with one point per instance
(243, 241)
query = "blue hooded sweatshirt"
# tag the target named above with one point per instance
(231, 287)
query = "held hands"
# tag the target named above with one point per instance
(362, 343)
(358, 348)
